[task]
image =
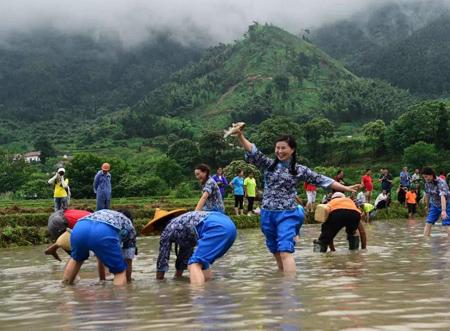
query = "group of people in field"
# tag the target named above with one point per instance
(207, 233)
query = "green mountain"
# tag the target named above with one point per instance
(46, 73)
(270, 72)
(403, 43)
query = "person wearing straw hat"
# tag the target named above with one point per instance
(102, 187)
(111, 236)
(342, 212)
(212, 232)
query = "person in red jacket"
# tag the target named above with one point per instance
(367, 183)
(58, 222)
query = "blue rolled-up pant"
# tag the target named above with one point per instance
(102, 239)
(280, 227)
(216, 234)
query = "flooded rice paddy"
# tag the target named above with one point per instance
(401, 282)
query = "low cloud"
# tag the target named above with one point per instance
(205, 21)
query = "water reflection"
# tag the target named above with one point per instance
(400, 282)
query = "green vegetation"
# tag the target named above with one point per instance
(25, 222)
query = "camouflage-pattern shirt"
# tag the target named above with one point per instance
(280, 186)
(181, 230)
(435, 189)
(215, 200)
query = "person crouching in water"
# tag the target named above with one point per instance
(58, 223)
(437, 198)
(342, 213)
(212, 232)
(111, 236)
(280, 217)
(211, 199)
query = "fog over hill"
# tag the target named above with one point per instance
(205, 21)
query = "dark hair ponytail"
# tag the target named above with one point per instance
(292, 144)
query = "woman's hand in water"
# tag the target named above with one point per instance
(444, 214)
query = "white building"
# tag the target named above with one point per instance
(32, 157)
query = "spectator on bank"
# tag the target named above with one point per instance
(221, 181)
(238, 191)
(382, 200)
(386, 183)
(61, 190)
(405, 178)
(367, 183)
(102, 187)
(311, 193)
(250, 191)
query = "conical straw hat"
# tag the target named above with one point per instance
(161, 214)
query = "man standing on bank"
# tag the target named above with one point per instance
(102, 187)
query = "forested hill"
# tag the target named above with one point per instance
(405, 43)
(47, 73)
(269, 72)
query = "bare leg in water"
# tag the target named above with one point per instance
(196, 275)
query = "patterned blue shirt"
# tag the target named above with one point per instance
(124, 226)
(215, 200)
(435, 189)
(280, 186)
(405, 179)
(181, 230)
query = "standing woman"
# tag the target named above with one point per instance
(280, 219)
(238, 190)
(437, 197)
(211, 199)
(221, 181)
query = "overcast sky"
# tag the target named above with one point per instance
(211, 20)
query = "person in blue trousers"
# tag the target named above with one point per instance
(437, 198)
(212, 233)
(102, 187)
(280, 217)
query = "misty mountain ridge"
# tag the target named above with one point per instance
(48, 73)
(390, 41)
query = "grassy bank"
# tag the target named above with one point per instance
(25, 222)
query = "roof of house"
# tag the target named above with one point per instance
(31, 154)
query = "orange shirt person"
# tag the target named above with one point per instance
(411, 202)
(342, 213)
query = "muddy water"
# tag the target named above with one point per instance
(400, 283)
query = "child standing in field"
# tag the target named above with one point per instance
(411, 202)
(250, 192)
(280, 217)
(211, 199)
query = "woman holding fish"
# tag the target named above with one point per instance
(280, 219)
